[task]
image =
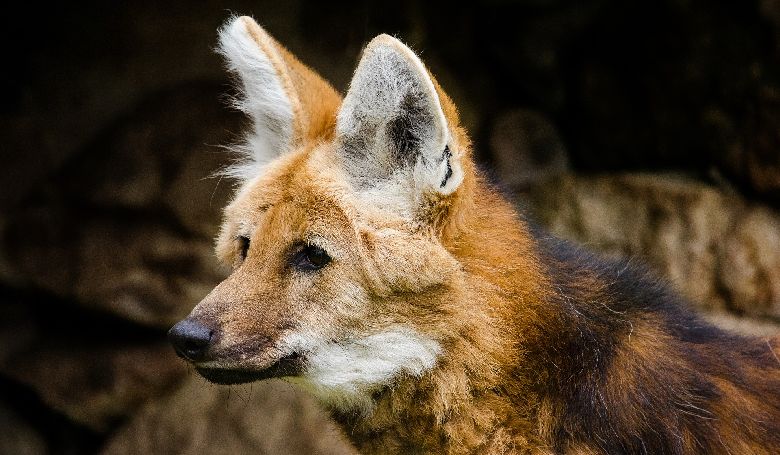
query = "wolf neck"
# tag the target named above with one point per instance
(473, 400)
(461, 406)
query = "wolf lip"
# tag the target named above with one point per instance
(291, 365)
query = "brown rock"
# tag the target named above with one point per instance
(128, 225)
(17, 437)
(750, 156)
(719, 250)
(762, 162)
(197, 194)
(527, 148)
(269, 417)
(144, 272)
(95, 370)
(99, 386)
(63, 98)
(136, 268)
(171, 143)
(743, 325)
(750, 263)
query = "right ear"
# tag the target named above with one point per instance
(287, 102)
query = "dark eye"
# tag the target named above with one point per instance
(243, 246)
(310, 257)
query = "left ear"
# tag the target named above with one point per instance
(392, 132)
(288, 102)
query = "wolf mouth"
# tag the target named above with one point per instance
(291, 365)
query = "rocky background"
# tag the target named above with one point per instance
(646, 128)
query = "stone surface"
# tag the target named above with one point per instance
(94, 369)
(81, 68)
(743, 325)
(127, 226)
(527, 148)
(17, 437)
(269, 417)
(752, 159)
(721, 251)
(139, 269)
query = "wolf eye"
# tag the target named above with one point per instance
(310, 257)
(243, 246)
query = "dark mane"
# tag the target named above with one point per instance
(677, 373)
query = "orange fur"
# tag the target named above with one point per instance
(540, 352)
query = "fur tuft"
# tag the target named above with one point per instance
(262, 96)
(344, 374)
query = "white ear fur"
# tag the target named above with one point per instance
(391, 129)
(266, 95)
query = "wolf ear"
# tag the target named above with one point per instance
(286, 101)
(392, 131)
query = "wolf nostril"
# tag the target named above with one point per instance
(190, 339)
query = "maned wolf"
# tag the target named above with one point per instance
(373, 266)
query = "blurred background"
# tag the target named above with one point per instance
(644, 128)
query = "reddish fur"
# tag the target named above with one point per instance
(546, 349)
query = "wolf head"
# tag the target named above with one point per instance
(343, 233)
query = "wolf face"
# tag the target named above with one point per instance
(341, 280)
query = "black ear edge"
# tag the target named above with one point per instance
(447, 155)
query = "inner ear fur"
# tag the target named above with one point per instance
(317, 102)
(392, 123)
(288, 102)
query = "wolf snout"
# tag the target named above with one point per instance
(191, 339)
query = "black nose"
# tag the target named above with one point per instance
(190, 339)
